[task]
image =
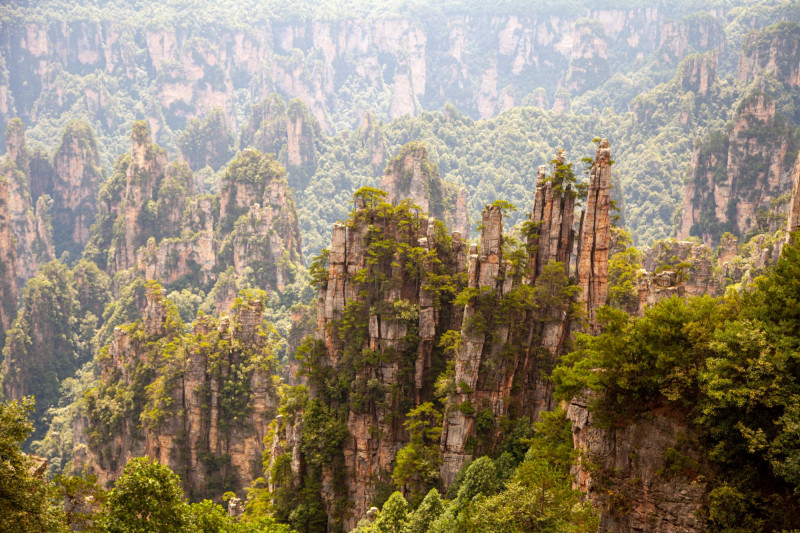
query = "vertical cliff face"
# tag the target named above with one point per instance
(207, 142)
(738, 174)
(266, 129)
(256, 203)
(151, 219)
(20, 207)
(8, 261)
(77, 179)
(52, 205)
(775, 50)
(588, 65)
(629, 480)
(595, 236)
(699, 32)
(793, 219)
(517, 320)
(302, 131)
(201, 401)
(389, 326)
(735, 176)
(411, 175)
(146, 170)
(699, 72)
(481, 63)
(381, 314)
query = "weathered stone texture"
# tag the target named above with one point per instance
(626, 481)
(595, 236)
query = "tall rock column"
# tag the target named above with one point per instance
(517, 321)
(554, 215)
(380, 320)
(486, 269)
(9, 290)
(212, 393)
(16, 172)
(143, 178)
(595, 237)
(411, 175)
(793, 222)
(77, 181)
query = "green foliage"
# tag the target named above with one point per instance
(538, 497)
(83, 501)
(323, 434)
(207, 142)
(423, 517)
(394, 515)
(623, 272)
(417, 464)
(147, 497)
(49, 339)
(27, 500)
(505, 207)
(318, 269)
(139, 393)
(552, 441)
(729, 367)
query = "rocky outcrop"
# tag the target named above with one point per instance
(737, 176)
(699, 72)
(15, 171)
(151, 219)
(588, 64)
(302, 131)
(389, 352)
(211, 397)
(391, 333)
(372, 140)
(697, 32)
(595, 234)
(625, 471)
(410, 175)
(508, 345)
(562, 101)
(691, 262)
(793, 218)
(266, 129)
(9, 290)
(207, 142)
(143, 178)
(77, 178)
(774, 50)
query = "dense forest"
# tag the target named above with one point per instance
(399, 266)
